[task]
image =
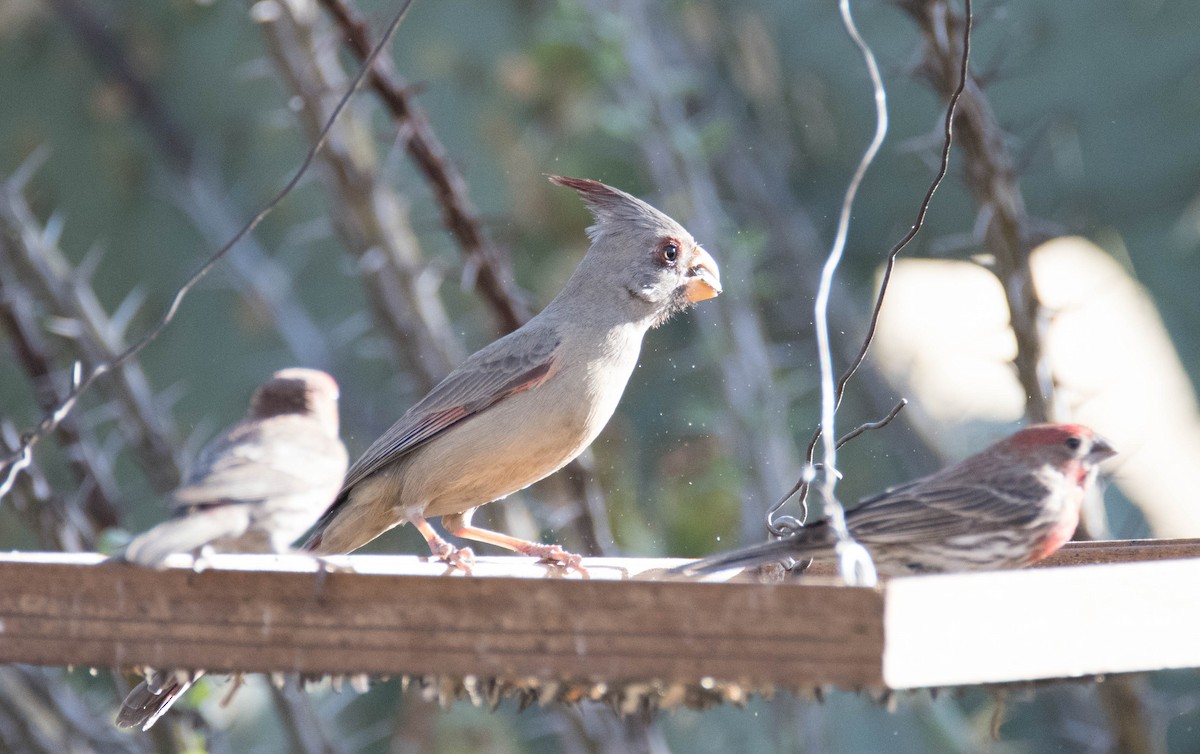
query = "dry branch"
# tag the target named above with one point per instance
(15, 461)
(757, 433)
(31, 253)
(486, 264)
(49, 516)
(991, 177)
(91, 468)
(255, 273)
(401, 289)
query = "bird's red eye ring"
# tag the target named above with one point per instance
(668, 252)
(1073, 442)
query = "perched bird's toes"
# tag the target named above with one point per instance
(556, 555)
(462, 558)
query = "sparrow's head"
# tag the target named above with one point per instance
(1064, 446)
(650, 257)
(305, 392)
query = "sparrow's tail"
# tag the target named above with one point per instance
(806, 543)
(186, 534)
(152, 697)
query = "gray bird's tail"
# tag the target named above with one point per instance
(153, 697)
(805, 543)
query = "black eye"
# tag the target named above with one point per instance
(1073, 442)
(669, 252)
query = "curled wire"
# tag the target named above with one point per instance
(782, 526)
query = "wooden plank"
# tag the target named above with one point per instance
(1041, 623)
(58, 611)
(1123, 551)
(402, 614)
(1096, 552)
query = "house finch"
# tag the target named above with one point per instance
(525, 405)
(255, 488)
(1005, 507)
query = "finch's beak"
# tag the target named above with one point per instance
(704, 281)
(1101, 450)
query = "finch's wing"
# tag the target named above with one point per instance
(936, 508)
(255, 460)
(517, 362)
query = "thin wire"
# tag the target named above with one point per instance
(20, 458)
(854, 562)
(782, 525)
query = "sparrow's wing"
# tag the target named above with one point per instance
(519, 361)
(936, 508)
(257, 459)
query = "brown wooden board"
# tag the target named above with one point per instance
(403, 615)
(115, 615)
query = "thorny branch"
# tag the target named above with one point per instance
(486, 266)
(370, 217)
(487, 269)
(197, 191)
(55, 522)
(92, 471)
(52, 419)
(802, 486)
(991, 177)
(671, 148)
(37, 715)
(33, 258)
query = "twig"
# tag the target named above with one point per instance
(487, 267)
(486, 264)
(32, 255)
(197, 191)
(92, 470)
(39, 505)
(783, 525)
(991, 178)
(52, 419)
(53, 715)
(757, 434)
(369, 215)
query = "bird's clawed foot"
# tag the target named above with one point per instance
(556, 555)
(462, 558)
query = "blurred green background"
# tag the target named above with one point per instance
(742, 120)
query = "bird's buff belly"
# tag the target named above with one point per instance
(473, 465)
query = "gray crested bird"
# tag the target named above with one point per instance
(257, 487)
(1008, 506)
(527, 404)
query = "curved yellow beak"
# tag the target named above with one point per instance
(704, 279)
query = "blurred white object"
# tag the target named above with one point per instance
(944, 341)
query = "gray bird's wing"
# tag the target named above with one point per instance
(255, 460)
(519, 361)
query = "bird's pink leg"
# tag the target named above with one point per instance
(550, 553)
(462, 558)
